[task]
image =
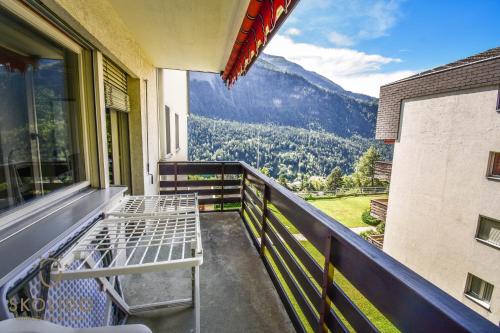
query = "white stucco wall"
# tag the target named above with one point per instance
(439, 188)
(176, 97)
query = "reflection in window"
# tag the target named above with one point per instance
(40, 130)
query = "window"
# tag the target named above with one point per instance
(489, 231)
(167, 130)
(177, 144)
(117, 124)
(498, 100)
(41, 133)
(494, 165)
(479, 290)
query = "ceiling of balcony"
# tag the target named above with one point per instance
(179, 34)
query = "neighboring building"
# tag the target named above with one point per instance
(443, 219)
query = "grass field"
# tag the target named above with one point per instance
(347, 210)
(373, 314)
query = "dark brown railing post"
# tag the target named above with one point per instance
(222, 188)
(327, 280)
(175, 177)
(263, 219)
(243, 176)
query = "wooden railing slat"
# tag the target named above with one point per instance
(255, 198)
(287, 302)
(201, 192)
(304, 281)
(306, 308)
(349, 310)
(305, 258)
(253, 219)
(200, 183)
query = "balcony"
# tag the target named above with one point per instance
(236, 293)
(378, 208)
(306, 272)
(383, 170)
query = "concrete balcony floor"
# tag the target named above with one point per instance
(237, 294)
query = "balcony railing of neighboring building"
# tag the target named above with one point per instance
(377, 240)
(310, 294)
(378, 208)
(383, 170)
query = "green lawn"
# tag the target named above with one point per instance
(375, 316)
(347, 210)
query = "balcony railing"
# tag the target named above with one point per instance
(378, 208)
(383, 170)
(311, 272)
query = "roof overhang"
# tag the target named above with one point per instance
(220, 36)
(193, 35)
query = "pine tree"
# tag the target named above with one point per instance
(334, 179)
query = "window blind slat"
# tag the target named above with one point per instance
(115, 87)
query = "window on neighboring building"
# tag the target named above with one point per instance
(41, 133)
(479, 290)
(498, 100)
(167, 130)
(489, 231)
(494, 165)
(177, 144)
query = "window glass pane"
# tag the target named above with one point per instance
(487, 292)
(495, 171)
(40, 126)
(475, 287)
(489, 230)
(479, 289)
(177, 146)
(167, 129)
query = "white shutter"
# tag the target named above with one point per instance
(115, 87)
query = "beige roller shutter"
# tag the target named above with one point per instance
(115, 87)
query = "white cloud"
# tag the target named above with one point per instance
(353, 70)
(380, 16)
(340, 39)
(293, 32)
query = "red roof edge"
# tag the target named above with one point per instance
(262, 19)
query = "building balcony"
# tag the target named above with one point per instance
(383, 170)
(272, 263)
(275, 263)
(378, 208)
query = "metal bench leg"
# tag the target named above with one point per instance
(197, 297)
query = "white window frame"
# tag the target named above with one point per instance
(485, 241)
(38, 23)
(491, 160)
(482, 303)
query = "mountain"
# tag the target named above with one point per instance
(277, 91)
(281, 149)
(284, 65)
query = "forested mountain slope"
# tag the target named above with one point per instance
(276, 147)
(277, 91)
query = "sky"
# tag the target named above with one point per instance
(363, 44)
